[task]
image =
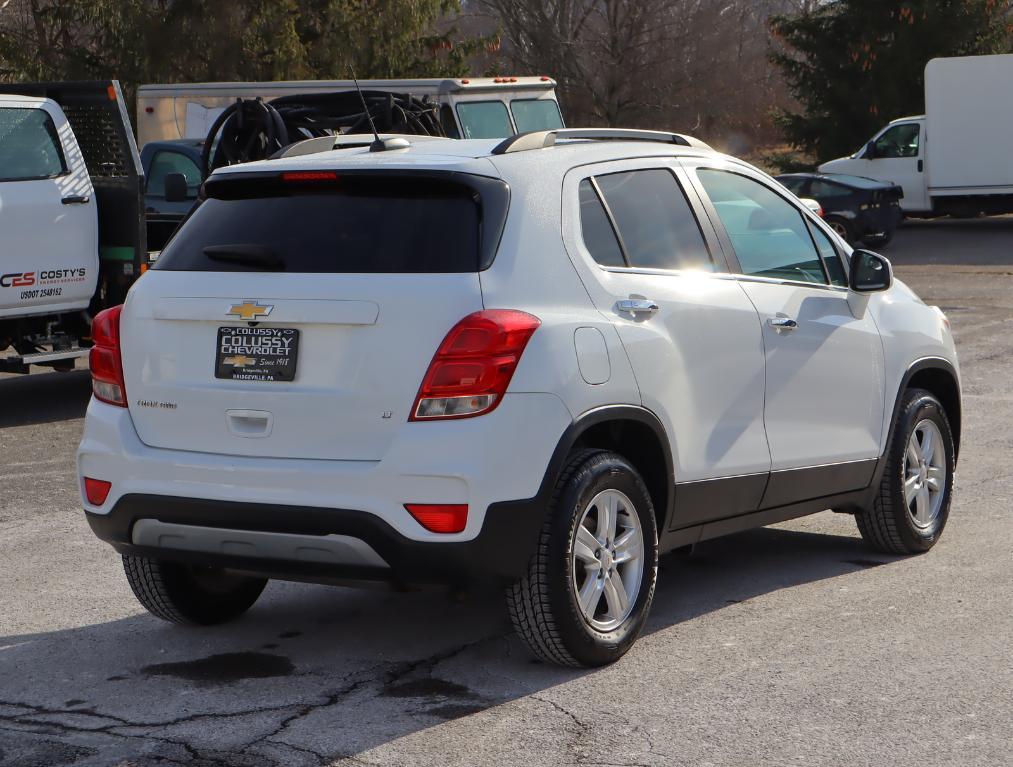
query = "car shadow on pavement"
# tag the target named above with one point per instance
(314, 674)
(44, 398)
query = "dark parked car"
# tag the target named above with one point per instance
(857, 208)
(173, 178)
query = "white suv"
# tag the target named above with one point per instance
(540, 362)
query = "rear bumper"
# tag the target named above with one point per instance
(881, 221)
(226, 534)
(232, 506)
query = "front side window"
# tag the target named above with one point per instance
(769, 235)
(657, 228)
(166, 162)
(484, 119)
(831, 258)
(29, 145)
(536, 114)
(899, 141)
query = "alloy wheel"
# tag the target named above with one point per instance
(608, 560)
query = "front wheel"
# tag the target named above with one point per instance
(910, 510)
(187, 594)
(590, 584)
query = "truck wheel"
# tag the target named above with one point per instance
(910, 510)
(190, 595)
(591, 582)
(841, 227)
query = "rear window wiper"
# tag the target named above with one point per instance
(245, 253)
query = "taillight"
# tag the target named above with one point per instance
(440, 517)
(474, 365)
(104, 359)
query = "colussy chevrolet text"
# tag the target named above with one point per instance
(541, 361)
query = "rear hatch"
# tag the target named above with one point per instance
(294, 315)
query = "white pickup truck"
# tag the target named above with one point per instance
(72, 237)
(954, 159)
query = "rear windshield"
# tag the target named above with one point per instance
(346, 224)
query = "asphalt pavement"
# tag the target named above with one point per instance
(789, 645)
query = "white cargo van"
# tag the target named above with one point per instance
(955, 159)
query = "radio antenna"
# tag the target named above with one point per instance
(377, 145)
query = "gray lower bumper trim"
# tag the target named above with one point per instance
(329, 549)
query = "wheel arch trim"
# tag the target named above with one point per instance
(919, 366)
(614, 413)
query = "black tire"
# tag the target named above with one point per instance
(189, 595)
(842, 227)
(880, 241)
(889, 525)
(543, 605)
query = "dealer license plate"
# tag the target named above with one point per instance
(256, 354)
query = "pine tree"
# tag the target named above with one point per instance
(853, 65)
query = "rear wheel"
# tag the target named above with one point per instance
(187, 594)
(913, 503)
(841, 227)
(591, 582)
(879, 241)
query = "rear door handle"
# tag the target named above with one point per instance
(76, 200)
(782, 323)
(637, 306)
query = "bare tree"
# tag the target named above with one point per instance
(689, 65)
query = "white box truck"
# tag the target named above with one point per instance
(957, 158)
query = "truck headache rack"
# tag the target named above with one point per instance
(524, 142)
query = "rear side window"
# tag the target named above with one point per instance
(599, 237)
(29, 145)
(656, 226)
(352, 224)
(484, 119)
(536, 114)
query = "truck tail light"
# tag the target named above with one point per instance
(440, 517)
(104, 359)
(96, 490)
(474, 365)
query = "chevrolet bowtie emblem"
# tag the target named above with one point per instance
(240, 361)
(250, 310)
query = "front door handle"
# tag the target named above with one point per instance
(80, 199)
(637, 306)
(782, 323)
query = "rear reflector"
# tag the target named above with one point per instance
(96, 490)
(440, 517)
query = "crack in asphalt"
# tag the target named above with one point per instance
(35, 718)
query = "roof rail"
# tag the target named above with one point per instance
(524, 142)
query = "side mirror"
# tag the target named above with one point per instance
(870, 272)
(175, 188)
(870, 150)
